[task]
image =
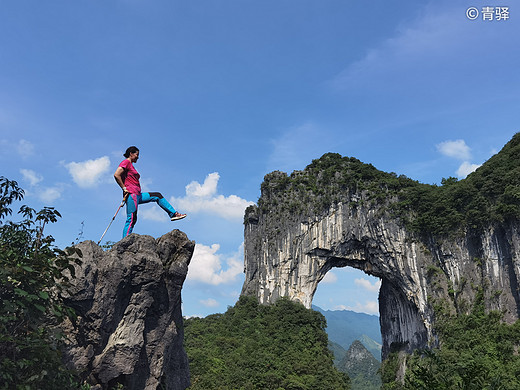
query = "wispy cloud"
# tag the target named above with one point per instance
(88, 173)
(50, 194)
(30, 176)
(210, 302)
(153, 214)
(203, 198)
(421, 42)
(369, 307)
(206, 265)
(45, 194)
(367, 285)
(25, 148)
(329, 278)
(432, 53)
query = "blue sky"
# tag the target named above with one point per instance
(216, 94)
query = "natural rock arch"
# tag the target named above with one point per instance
(289, 248)
(307, 253)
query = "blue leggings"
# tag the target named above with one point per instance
(134, 200)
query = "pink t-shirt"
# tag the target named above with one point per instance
(130, 177)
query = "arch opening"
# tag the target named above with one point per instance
(348, 298)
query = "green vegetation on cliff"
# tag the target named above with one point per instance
(252, 346)
(478, 351)
(492, 193)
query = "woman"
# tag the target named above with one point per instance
(128, 179)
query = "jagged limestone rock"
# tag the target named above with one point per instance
(339, 212)
(130, 327)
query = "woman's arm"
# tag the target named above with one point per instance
(119, 180)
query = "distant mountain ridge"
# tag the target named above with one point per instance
(345, 326)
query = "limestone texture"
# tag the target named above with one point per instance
(309, 222)
(129, 329)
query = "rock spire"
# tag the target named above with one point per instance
(130, 328)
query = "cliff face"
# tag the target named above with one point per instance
(300, 230)
(130, 327)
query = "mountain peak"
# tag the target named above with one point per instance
(361, 366)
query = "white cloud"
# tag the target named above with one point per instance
(210, 302)
(87, 173)
(193, 316)
(456, 149)
(207, 189)
(45, 194)
(329, 278)
(32, 177)
(50, 194)
(153, 214)
(25, 148)
(460, 151)
(364, 283)
(465, 169)
(206, 265)
(369, 307)
(204, 198)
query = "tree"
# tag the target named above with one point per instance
(477, 351)
(32, 275)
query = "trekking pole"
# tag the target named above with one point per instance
(114, 217)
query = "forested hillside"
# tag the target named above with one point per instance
(252, 346)
(477, 351)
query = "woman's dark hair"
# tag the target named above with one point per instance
(131, 149)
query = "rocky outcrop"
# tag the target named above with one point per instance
(314, 220)
(361, 366)
(130, 329)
